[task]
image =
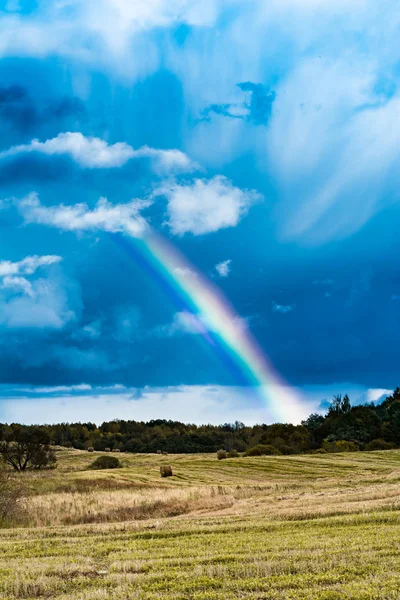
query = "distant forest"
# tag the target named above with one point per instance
(343, 428)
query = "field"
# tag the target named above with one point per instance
(321, 527)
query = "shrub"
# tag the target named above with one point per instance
(340, 446)
(12, 490)
(106, 462)
(379, 444)
(166, 471)
(320, 451)
(286, 449)
(233, 454)
(221, 454)
(262, 450)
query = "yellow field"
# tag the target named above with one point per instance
(304, 527)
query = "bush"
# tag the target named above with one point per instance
(286, 449)
(262, 450)
(12, 490)
(233, 454)
(379, 444)
(340, 446)
(106, 462)
(221, 454)
(166, 471)
(320, 451)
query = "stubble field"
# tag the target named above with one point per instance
(321, 527)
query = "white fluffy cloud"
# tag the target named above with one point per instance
(105, 216)
(198, 208)
(205, 206)
(27, 265)
(95, 153)
(224, 268)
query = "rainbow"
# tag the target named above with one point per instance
(210, 313)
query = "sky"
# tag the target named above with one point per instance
(199, 208)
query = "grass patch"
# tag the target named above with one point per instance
(316, 527)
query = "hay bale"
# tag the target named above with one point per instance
(90, 449)
(221, 454)
(116, 450)
(165, 453)
(166, 471)
(107, 449)
(159, 452)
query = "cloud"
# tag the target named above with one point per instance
(282, 308)
(80, 387)
(126, 324)
(256, 110)
(189, 404)
(167, 161)
(44, 307)
(100, 32)
(376, 394)
(18, 284)
(224, 268)
(32, 304)
(95, 153)
(205, 206)
(105, 216)
(338, 115)
(28, 265)
(21, 112)
(261, 101)
(184, 272)
(90, 331)
(185, 322)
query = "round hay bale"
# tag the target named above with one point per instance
(166, 471)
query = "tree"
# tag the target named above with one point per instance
(313, 421)
(339, 405)
(25, 448)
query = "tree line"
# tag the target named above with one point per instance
(342, 428)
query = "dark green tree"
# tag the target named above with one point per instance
(25, 448)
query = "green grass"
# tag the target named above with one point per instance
(320, 527)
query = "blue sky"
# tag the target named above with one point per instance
(262, 139)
